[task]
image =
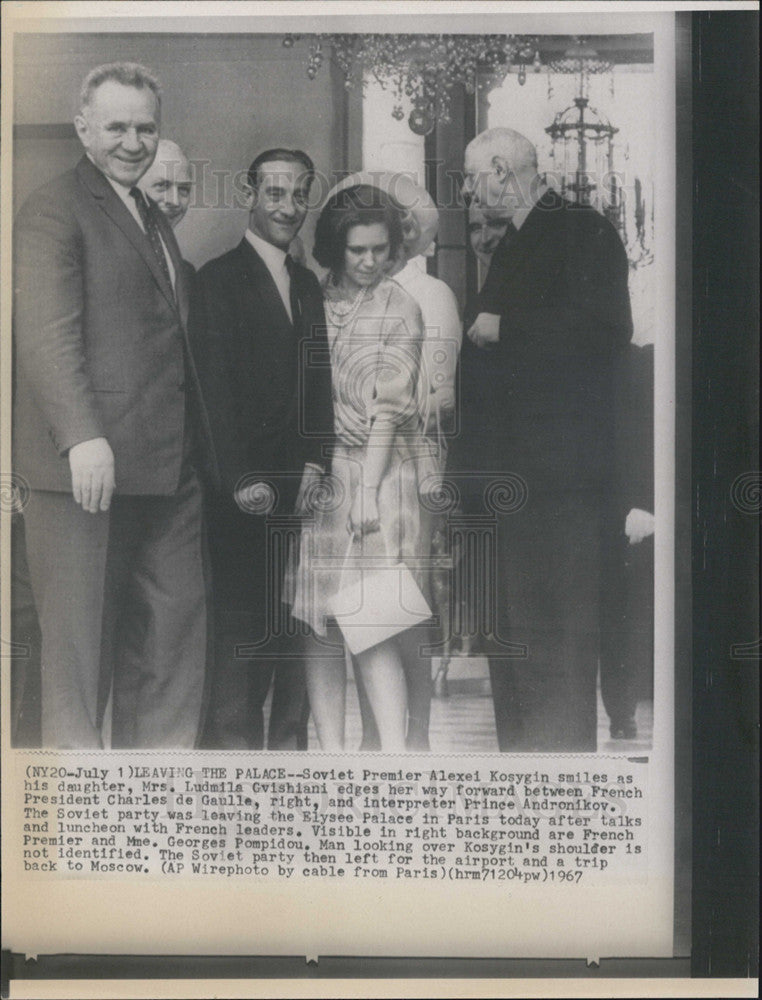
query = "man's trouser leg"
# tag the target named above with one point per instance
(160, 653)
(67, 552)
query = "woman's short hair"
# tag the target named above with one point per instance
(361, 205)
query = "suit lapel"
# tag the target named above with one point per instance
(262, 301)
(117, 211)
(181, 293)
(528, 244)
(260, 281)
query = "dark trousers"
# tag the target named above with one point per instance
(257, 643)
(543, 654)
(26, 642)
(244, 670)
(122, 598)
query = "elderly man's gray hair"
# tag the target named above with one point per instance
(129, 74)
(505, 142)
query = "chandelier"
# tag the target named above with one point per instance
(582, 59)
(586, 140)
(421, 68)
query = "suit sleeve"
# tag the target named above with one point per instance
(48, 323)
(209, 331)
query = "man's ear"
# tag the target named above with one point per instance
(500, 166)
(80, 124)
(249, 196)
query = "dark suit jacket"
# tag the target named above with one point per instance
(540, 403)
(100, 338)
(267, 387)
(267, 384)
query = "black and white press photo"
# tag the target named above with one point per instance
(360, 494)
(333, 391)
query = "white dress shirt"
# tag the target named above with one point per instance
(275, 261)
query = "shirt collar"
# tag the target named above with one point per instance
(274, 257)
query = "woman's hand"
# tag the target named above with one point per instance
(363, 515)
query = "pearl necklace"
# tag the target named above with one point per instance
(342, 317)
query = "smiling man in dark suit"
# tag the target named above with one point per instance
(263, 360)
(106, 424)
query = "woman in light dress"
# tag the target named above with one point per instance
(436, 396)
(375, 333)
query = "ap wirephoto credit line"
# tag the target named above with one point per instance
(341, 501)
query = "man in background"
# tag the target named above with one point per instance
(168, 181)
(484, 235)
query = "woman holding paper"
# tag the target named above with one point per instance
(436, 397)
(359, 552)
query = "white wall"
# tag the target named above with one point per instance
(388, 144)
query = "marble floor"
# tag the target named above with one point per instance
(464, 721)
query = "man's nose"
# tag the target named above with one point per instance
(288, 206)
(131, 139)
(171, 195)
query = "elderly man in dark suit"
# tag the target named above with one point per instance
(537, 407)
(263, 358)
(107, 422)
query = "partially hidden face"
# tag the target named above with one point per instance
(366, 254)
(416, 240)
(411, 231)
(119, 128)
(484, 233)
(278, 206)
(169, 183)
